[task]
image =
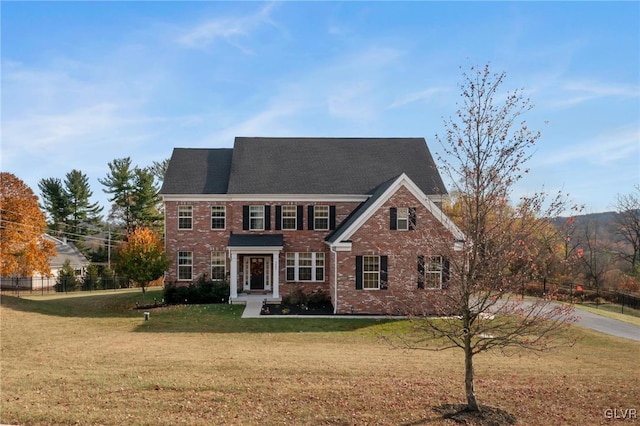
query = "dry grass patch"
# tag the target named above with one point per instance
(109, 370)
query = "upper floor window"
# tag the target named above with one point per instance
(218, 217)
(218, 266)
(256, 218)
(185, 217)
(402, 218)
(321, 218)
(289, 216)
(185, 265)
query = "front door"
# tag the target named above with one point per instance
(256, 268)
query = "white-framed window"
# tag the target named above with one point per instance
(256, 218)
(218, 266)
(371, 272)
(289, 215)
(218, 217)
(305, 266)
(430, 271)
(321, 218)
(185, 217)
(185, 265)
(402, 221)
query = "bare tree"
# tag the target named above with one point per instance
(595, 257)
(484, 154)
(627, 225)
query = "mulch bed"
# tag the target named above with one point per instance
(487, 416)
(286, 309)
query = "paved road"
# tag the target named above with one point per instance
(608, 325)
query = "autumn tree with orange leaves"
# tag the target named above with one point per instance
(142, 257)
(23, 249)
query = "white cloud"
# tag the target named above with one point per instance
(231, 30)
(421, 96)
(578, 92)
(605, 148)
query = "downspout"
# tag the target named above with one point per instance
(335, 278)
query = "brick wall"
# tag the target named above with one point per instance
(373, 238)
(202, 240)
(402, 248)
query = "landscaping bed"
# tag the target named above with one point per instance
(322, 308)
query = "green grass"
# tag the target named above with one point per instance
(92, 359)
(612, 311)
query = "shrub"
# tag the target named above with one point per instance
(200, 292)
(66, 278)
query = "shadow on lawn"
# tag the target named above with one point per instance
(488, 416)
(215, 318)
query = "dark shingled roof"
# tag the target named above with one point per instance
(198, 171)
(302, 166)
(329, 165)
(255, 240)
(362, 208)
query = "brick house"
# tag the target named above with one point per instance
(357, 218)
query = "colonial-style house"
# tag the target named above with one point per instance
(357, 218)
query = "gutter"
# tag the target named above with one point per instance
(335, 278)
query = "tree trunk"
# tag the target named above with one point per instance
(472, 404)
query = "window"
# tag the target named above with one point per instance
(218, 217)
(218, 266)
(185, 217)
(185, 265)
(431, 272)
(305, 266)
(289, 214)
(370, 272)
(321, 218)
(256, 218)
(403, 219)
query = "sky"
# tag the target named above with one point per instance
(84, 83)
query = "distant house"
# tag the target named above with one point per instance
(357, 218)
(65, 251)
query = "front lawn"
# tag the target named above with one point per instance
(92, 359)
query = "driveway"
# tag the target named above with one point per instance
(608, 325)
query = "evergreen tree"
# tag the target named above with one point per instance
(56, 203)
(145, 208)
(119, 183)
(82, 211)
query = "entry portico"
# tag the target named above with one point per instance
(260, 257)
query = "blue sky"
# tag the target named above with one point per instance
(84, 83)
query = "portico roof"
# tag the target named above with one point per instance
(256, 240)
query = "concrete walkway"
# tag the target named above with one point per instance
(252, 308)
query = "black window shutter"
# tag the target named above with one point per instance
(384, 262)
(245, 218)
(278, 218)
(445, 269)
(358, 272)
(300, 217)
(393, 214)
(332, 217)
(267, 218)
(421, 271)
(412, 218)
(310, 217)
